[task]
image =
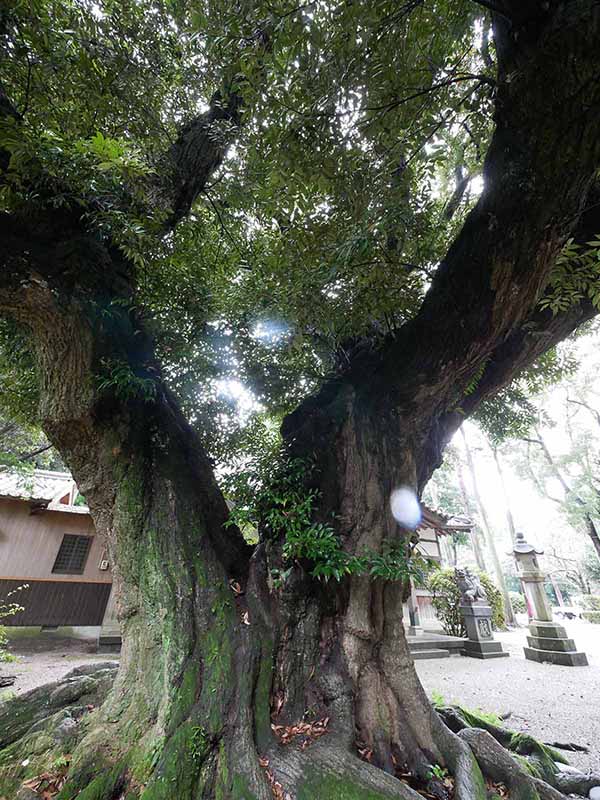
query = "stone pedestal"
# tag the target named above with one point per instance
(480, 642)
(548, 643)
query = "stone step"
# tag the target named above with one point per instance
(547, 630)
(421, 655)
(546, 643)
(109, 643)
(569, 659)
(109, 648)
(114, 638)
(484, 656)
(425, 642)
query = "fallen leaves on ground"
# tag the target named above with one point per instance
(48, 784)
(306, 731)
(276, 787)
(366, 753)
(499, 788)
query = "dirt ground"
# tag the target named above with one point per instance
(42, 659)
(553, 703)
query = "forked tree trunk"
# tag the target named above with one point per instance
(214, 655)
(199, 688)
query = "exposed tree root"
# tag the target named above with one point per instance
(571, 746)
(576, 783)
(469, 782)
(42, 725)
(503, 753)
(499, 765)
(39, 728)
(328, 772)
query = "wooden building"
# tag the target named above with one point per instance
(48, 544)
(418, 609)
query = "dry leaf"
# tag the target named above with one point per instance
(307, 731)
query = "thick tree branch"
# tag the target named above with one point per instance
(592, 411)
(462, 181)
(480, 315)
(492, 275)
(203, 142)
(198, 151)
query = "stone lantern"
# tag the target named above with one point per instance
(548, 642)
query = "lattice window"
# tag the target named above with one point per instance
(72, 555)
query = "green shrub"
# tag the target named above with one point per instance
(495, 600)
(591, 602)
(446, 601)
(8, 609)
(592, 616)
(518, 602)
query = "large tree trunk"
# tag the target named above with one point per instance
(179, 718)
(360, 450)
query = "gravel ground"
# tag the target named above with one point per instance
(44, 659)
(554, 704)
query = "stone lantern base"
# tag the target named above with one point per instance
(548, 643)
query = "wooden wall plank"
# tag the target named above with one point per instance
(57, 602)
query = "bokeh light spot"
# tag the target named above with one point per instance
(405, 507)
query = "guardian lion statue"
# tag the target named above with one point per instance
(471, 590)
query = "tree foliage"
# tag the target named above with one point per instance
(322, 227)
(446, 598)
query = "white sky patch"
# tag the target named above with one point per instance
(476, 185)
(543, 521)
(233, 389)
(271, 332)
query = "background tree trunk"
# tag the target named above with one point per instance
(589, 524)
(510, 520)
(489, 537)
(474, 532)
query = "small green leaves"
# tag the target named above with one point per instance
(120, 379)
(117, 155)
(575, 275)
(286, 510)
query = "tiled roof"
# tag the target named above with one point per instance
(40, 486)
(443, 524)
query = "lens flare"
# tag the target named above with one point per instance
(405, 507)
